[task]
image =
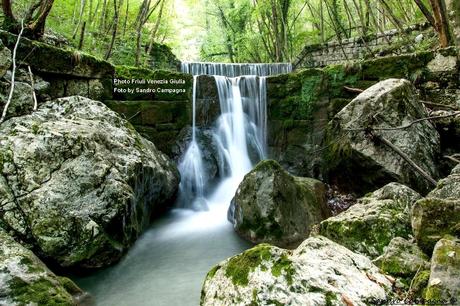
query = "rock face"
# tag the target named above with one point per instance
(368, 226)
(318, 272)
(272, 206)
(402, 258)
(5, 59)
(25, 280)
(439, 213)
(21, 103)
(444, 283)
(78, 183)
(360, 161)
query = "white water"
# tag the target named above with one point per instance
(234, 70)
(169, 262)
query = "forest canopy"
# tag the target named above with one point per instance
(126, 31)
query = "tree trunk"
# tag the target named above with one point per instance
(115, 28)
(442, 23)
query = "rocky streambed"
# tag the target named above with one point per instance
(79, 185)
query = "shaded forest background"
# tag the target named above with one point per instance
(126, 31)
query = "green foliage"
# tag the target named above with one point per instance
(224, 30)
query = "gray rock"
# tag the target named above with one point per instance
(272, 206)
(439, 213)
(368, 226)
(402, 258)
(318, 272)
(22, 101)
(77, 87)
(78, 183)
(25, 280)
(41, 86)
(361, 162)
(5, 59)
(444, 283)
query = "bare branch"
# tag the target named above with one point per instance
(402, 127)
(13, 74)
(405, 157)
(32, 83)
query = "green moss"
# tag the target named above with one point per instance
(239, 267)
(32, 266)
(41, 292)
(35, 128)
(268, 165)
(69, 285)
(420, 283)
(284, 264)
(409, 66)
(213, 272)
(339, 76)
(50, 59)
(331, 299)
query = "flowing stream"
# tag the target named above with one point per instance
(169, 262)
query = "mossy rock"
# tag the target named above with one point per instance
(272, 206)
(368, 226)
(402, 258)
(444, 283)
(432, 218)
(318, 272)
(49, 59)
(293, 96)
(26, 280)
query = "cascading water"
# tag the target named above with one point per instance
(191, 168)
(167, 265)
(239, 135)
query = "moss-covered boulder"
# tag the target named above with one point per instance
(369, 226)
(357, 158)
(318, 272)
(439, 213)
(78, 183)
(444, 283)
(402, 258)
(25, 280)
(134, 83)
(272, 206)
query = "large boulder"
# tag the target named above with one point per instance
(25, 280)
(78, 183)
(402, 258)
(368, 226)
(356, 156)
(318, 272)
(444, 283)
(273, 206)
(439, 213)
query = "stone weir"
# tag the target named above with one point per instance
(235, 69)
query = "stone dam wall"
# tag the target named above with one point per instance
(357, 48)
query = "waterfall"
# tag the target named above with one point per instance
(191, 167)
(239, 134)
